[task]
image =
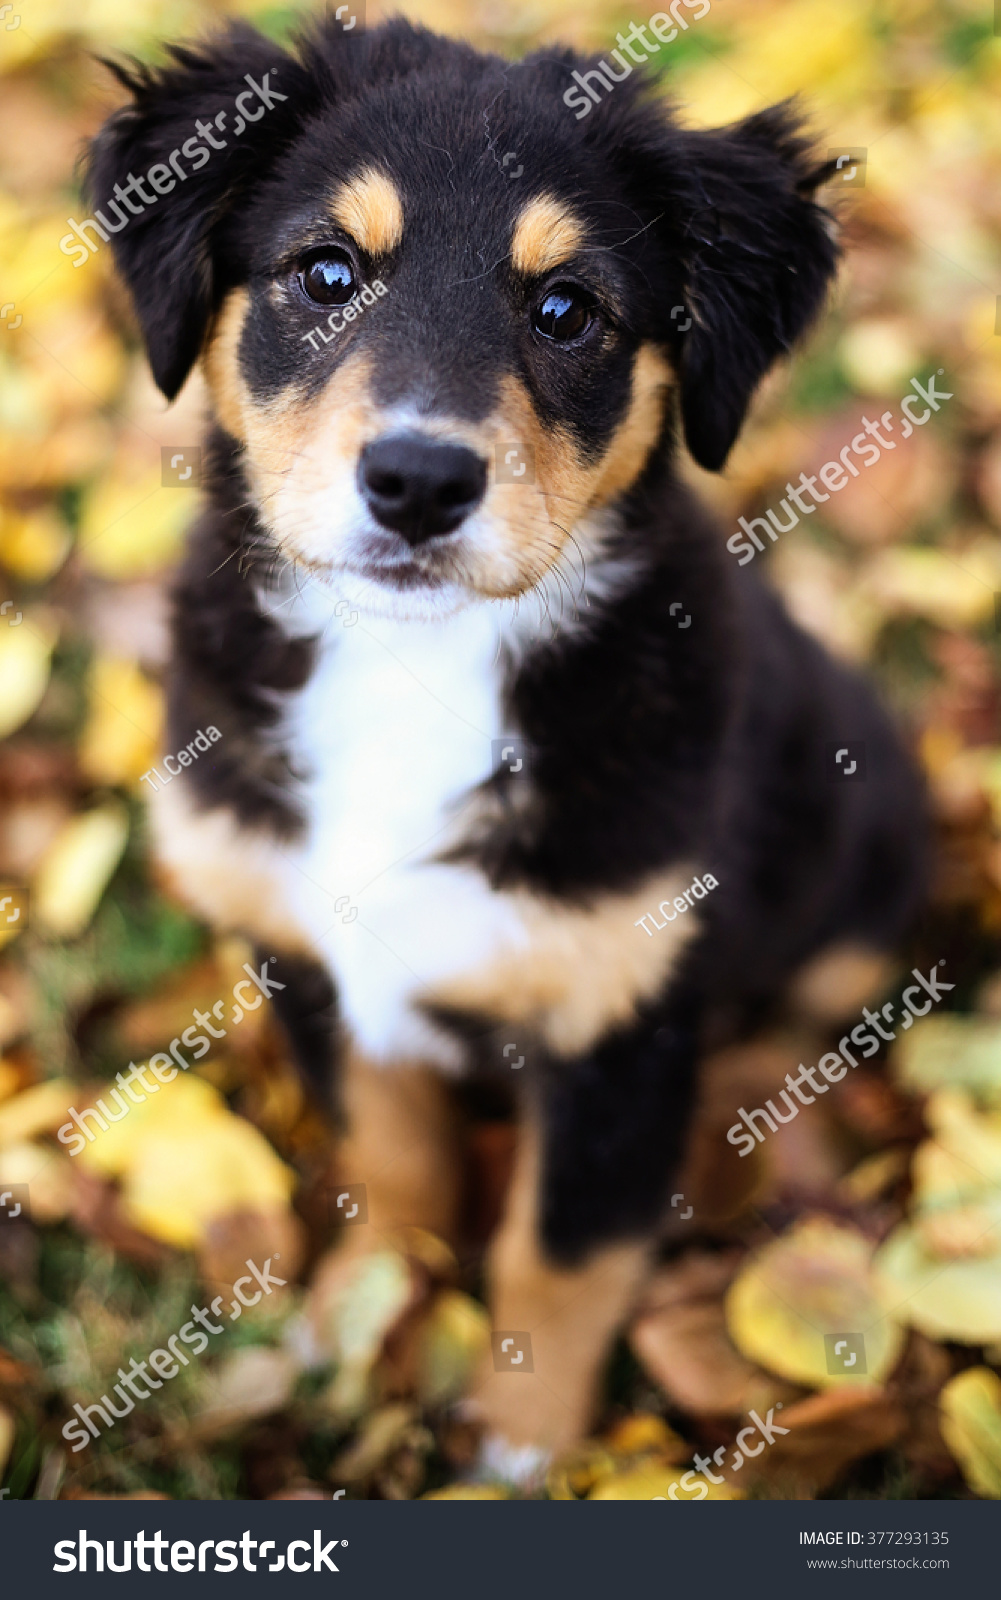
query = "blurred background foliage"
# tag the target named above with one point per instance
(880, 1212)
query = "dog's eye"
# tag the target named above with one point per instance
(329, 279)
(563, 313)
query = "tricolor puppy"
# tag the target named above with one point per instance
(490, 689)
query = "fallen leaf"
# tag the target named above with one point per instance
(814, 1281)
(48, 1176)
(251, 1383)
(827, 1432)
(452, 1339)
(131, 526)
(376, 1295)
(655, 1482)
(577, 1471)
(120, 738)
(950, 1051)
(76, 869)
(384, 1430)
(970, 1405)
(34, 545)
(645, 1433)
(25, 652)
(36, 1110)
(944, 1298)
(680, 1337)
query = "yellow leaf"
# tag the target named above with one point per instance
(130, 528)
(48, 1177)
(575, 1472)
(452, 1340)
(178, 1107)
(964, 1052)
(656, 1482)
(944, 1298)
(34, 545)
(968, 1136)
(814, 1281)
(468, 1491)
(120, 737)
(379, 1290)
(182, 1178)
(877, 354)
(25, 651)
(954, 589)
(36, 1110)
(970, 1406)
(76, 869)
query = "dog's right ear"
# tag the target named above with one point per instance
(206, 127)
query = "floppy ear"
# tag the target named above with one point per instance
(166, 249)
(757, 258)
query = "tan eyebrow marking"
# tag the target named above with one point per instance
(369, 208)
(546, 233)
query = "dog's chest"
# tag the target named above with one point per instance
(390, 737)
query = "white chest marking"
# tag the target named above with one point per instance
(389, 736)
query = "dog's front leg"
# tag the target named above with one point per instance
(400, 1144)
(561, 1321)
(602, 1137)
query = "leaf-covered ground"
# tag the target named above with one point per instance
(876, 1212)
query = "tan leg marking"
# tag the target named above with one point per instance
(401, 1143)
(572, 1316)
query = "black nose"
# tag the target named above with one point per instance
(419, 487)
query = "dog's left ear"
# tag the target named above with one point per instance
(757, 254)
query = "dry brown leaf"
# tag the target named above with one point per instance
(826, 1433)
(680, 1337)
(251, 1383)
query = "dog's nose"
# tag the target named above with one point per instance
(418, 486)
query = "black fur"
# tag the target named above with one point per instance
(652, 745)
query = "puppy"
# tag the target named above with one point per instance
(491, 695)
